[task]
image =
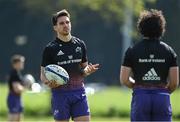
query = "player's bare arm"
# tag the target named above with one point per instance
(42, 76)
(125, 74)
(173, 78)
(18, 88)
(89, 68)
(51, 84)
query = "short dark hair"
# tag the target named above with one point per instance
(58, 14)
(17, 58)
(151, 23)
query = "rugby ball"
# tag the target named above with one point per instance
(56, 73)
(28, 80)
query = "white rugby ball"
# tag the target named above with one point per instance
(56, 73)
(28, 80)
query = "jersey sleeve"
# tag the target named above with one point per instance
(173, 58)
(84, 53)
(127, 61)
(46, 57)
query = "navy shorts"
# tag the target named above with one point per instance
(69, 103)
(151, 105)
(14, 103)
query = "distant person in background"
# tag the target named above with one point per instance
(16, 88)
(68, 101)
(153, 66)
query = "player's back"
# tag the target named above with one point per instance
(151, 60)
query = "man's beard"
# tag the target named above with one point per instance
(64, 33)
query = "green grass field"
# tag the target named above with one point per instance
(113, 103)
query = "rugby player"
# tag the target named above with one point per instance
(68, 101)
(153, 66)
(16, 88)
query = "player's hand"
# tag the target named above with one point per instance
(51, 84)
(91, 68)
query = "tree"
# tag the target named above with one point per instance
(107, 9)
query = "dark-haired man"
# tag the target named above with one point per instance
(16, 88)
(68, 52)
(153, 65)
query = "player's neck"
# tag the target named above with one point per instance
(16, 68)
(64, 38)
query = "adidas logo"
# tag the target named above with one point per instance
(151, 75)
(60, 53)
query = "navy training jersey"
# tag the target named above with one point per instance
(15, 76)
(68, 55)
(150, 61)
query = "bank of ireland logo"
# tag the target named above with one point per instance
(151, 75)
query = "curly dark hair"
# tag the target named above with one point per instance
(61, 13)
(151, 23)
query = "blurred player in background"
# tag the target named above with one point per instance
(16, 88)
(69, 52)
(153, 65)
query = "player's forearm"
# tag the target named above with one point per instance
(127, 81)
(85, 72)
(21, 88)
(173, 78)
(18, 88)
(172, 87)
(129, 84)
(125, 77)
(42, 76)
(90, 68)
(83, 66)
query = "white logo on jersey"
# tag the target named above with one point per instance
(151, 75)
(70, 56)
(60, 53)
(151, 59)
(78, 49)
(151, 55)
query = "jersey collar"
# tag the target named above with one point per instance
(62, 42)
(151, 39)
